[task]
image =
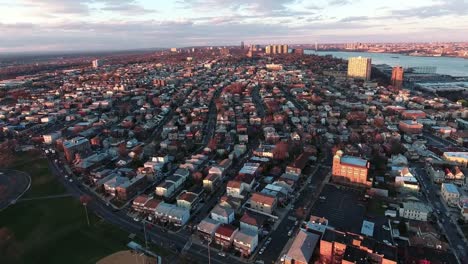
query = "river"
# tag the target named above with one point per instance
(445, 65)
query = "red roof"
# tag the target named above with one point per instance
(263, 198)
(250, 219)
(152, 204)
(226, 230)
(141, 199)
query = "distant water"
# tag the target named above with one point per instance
(445, 65)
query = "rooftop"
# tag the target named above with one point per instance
(303, 247)
(356, 161)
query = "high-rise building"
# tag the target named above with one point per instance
(276, 49)
(298, 51)
(397, 77)
(359, 67)
(242, 45)
(96, 63)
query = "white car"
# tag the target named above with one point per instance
(222, 254)
(70, 180)
(386, 227)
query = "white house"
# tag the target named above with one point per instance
(222, 214)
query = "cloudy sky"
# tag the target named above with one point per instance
(65, 25)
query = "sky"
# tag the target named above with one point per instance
(88, 25)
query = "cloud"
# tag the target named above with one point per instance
(83, 7)
(112, 35)
(354, 18)
(339, 2)
(58, 6)
(260, 7)
(444, 8)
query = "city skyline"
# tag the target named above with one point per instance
(86, 25)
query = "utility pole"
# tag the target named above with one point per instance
(209, 256)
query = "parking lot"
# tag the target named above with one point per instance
(342, 207)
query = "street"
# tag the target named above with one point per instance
(447, 224)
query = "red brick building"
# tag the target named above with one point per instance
(397, 77)
(413, 114)
(410, 127)
(350, 170)
(337, 247)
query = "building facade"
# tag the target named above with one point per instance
(397, 77)
(359, 67)
(450, 193)
(350, 170)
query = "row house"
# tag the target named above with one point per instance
(222, 214)
(263, 203)
(224, 235)
(169, 213)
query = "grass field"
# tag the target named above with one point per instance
(54, 230)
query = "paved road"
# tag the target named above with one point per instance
(442, 142)
(306, 198)
(169, 240)
(430, 191)
(13, 184)
(46, 197)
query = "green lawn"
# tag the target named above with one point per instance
(55, 230)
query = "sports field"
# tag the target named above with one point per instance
(53, 230)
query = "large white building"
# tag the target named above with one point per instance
(415, 211)
(359, 67)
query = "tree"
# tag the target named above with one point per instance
(212, 144)
(280, 151)
(197, 177)
(122, 149)
(397, 147)
(379, 122)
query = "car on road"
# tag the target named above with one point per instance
(290, 232)
(222, 254)
(387, 242)
(386, 227)
(322, 197)
(70, 180)
(261, 250)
